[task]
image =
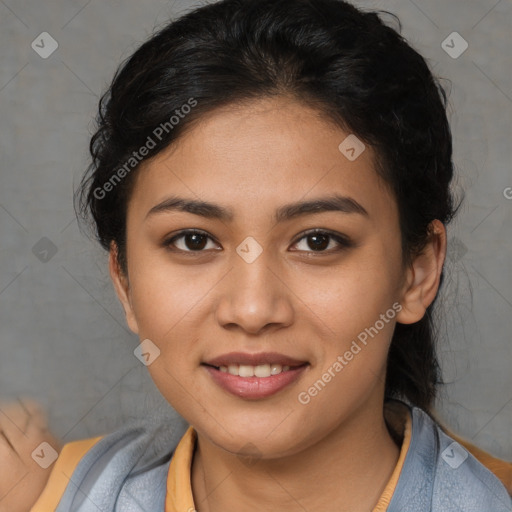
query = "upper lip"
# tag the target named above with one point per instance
(253, 359)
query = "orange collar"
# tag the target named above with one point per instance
(179, 488)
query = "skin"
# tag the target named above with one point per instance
(335, 453)
(23, 427)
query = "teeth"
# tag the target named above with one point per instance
(246, 370)
(263, 370)
(275, 369)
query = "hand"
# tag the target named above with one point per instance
(23, 427)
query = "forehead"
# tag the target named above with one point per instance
(257, 154)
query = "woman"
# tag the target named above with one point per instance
(272, 182)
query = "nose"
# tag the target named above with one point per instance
(254, 297)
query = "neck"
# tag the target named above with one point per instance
(345, 471)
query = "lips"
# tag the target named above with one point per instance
(254, 376)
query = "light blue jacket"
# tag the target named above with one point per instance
(126, 471)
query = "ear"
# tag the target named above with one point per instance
(122, 287)
(423, 276)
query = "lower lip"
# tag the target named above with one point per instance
(255, 387)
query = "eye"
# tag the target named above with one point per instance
(191, 240)
(318, 241)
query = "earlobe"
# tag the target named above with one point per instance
(122, 287)
(423, 276)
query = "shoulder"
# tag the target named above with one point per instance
(99, 473)
(462, 479)
(440, 475)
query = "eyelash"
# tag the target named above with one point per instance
(343, 241)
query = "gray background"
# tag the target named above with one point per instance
(63, 338)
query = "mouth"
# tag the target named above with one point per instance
(254, 376)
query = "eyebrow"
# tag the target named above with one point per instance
(333, 203)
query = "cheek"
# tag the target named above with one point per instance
(353, 357)
(350, 300)
(166, 297)
(351, 296)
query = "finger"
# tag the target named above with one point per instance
(11, 462)
(7, 449)
(17, 417)
(36, 415)
(24, 427)
(13, 421)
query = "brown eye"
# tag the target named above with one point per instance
(189, 241)
(319, 241)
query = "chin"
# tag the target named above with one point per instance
(256, 440)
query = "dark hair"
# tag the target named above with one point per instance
(348, 64)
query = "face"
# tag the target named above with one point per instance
(292, 257)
